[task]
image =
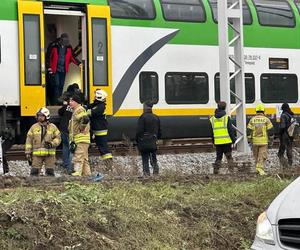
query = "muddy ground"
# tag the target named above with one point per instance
(163, 213)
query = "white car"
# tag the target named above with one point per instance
(279, 226)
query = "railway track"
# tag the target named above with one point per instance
(177, 146)
(174, 146)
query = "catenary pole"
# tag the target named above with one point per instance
(231, 62)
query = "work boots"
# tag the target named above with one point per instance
(34, 172)
(108, 165)
(216, 167)
(260, 170)
(50, 172)
(77, 170)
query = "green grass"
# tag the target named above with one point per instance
(190, 214)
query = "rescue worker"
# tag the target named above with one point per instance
(58, 58)
(285, 140)
(148, 131)
(223, 136)
(259, 129)
(42, 139)
(79, 136)
(96, 112)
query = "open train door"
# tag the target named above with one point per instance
(31, 55)
(99, 47)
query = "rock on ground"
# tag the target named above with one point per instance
(194, 163)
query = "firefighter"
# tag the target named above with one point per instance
(259, 129)
(42, 139)
(96, 112)
(79, 136)
(223, 136)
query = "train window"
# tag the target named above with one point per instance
(249, 88)
(100, 67)
(32, 55)
(186, 88)
(183, 10)
(274, 13)
(149, 87)
(279, 88)
(135, 9)
(247, 18)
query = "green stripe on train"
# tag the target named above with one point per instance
(195, 33)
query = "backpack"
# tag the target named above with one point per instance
(147, 143)
(293, 129)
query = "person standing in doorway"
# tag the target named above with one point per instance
(148, 132)
(223, 136)
(58, 58)
(286, 141)
(260, 128)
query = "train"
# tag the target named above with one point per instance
(165, 51)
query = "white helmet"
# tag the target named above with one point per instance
(44, 111)
(100, 95)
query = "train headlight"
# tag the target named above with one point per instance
(264, 229)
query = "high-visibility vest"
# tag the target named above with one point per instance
(220, 131)
(259, 125)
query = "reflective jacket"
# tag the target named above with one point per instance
(98, 118)
(259, 126)
(37, 135)
(79, 132)
(220, 130)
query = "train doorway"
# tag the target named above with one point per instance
(89, 30)
(72, 23)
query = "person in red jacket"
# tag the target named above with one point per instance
(58, 58)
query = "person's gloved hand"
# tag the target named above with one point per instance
(29, 159)
(48, 145)
(89, 112)
(69, 109)
(85, 120)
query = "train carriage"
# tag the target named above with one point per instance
(165, 51)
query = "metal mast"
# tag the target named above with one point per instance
(230, 15)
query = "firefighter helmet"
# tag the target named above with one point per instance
(44, 111)
(100, 95)
(260, 108)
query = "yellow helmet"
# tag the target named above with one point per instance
(260, 108)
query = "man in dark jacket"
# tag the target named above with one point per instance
(223, 136)
(148, 131)
(96, 112)
(65, 113)
(58, 58)
(285, 140)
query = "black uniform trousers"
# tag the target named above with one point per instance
(223, 149)
(286, 144)
(101, 142)
(149, 156)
